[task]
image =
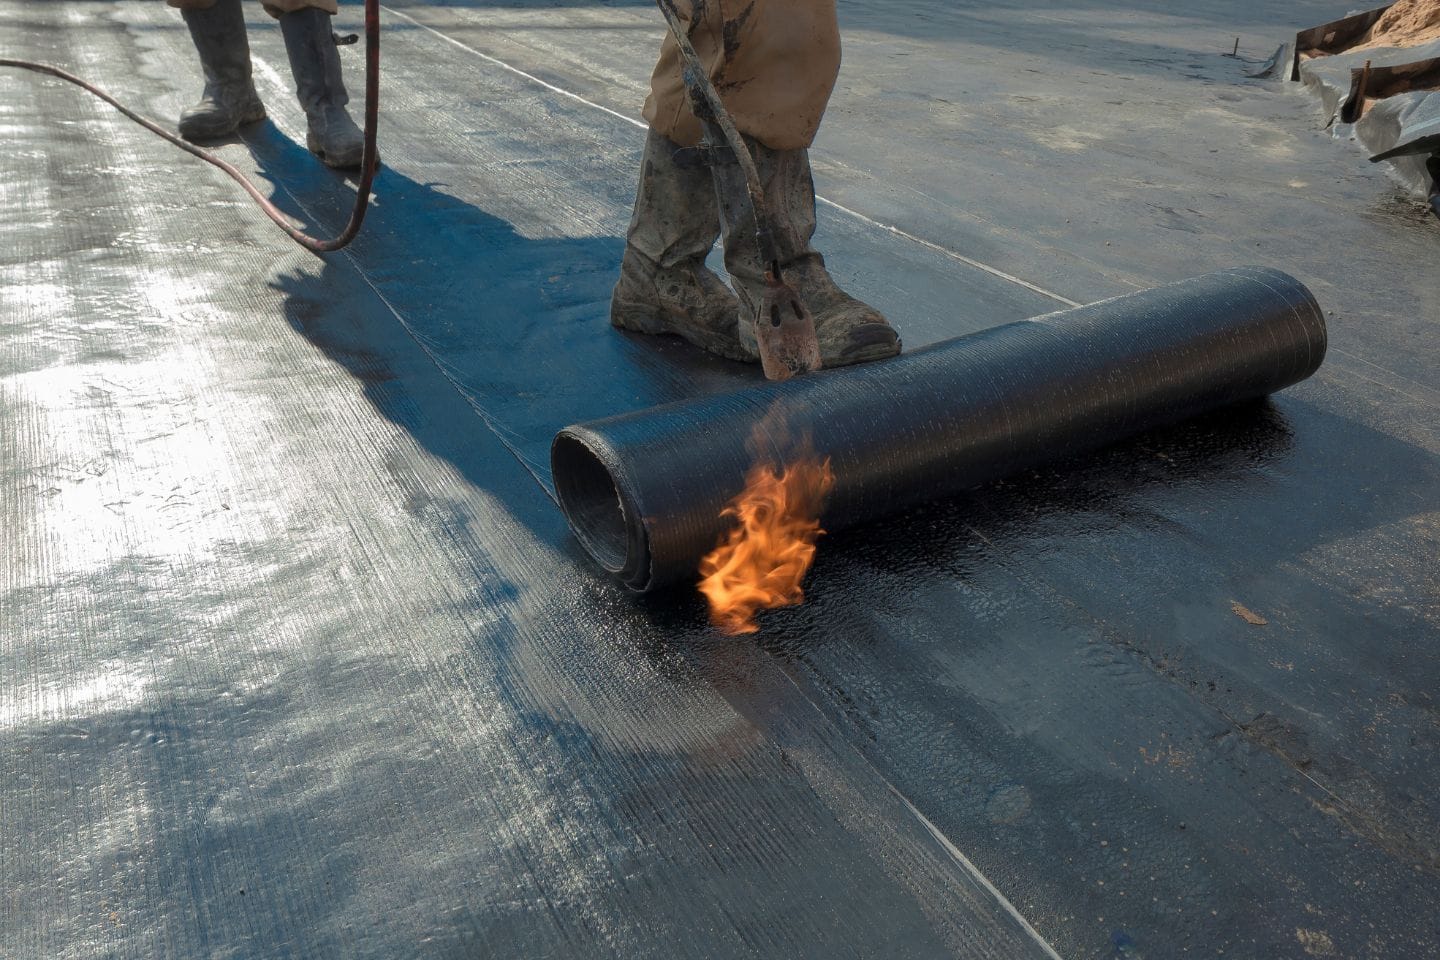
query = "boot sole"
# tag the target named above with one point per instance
(343, 161)
(201, 131)
(643, 318)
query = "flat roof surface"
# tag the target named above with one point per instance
(297, 656)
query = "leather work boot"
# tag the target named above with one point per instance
(848, 330)
(664, 284)
(315, 63)
(229, 99)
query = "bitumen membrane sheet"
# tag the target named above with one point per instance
(298, 658)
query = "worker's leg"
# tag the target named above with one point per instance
(664, 284)
(319, 83)
(217, 28)
(848, 330)
(774, 64)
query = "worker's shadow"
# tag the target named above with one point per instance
(455, 321)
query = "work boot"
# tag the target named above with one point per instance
(315, 63)
(664, 284)
(230, 98)
(848, 330)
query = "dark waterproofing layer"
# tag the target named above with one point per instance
(644, 491)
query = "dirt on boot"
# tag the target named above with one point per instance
(687, 300)
(664, 285)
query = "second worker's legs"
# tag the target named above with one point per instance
(315, 63)
(229, 100)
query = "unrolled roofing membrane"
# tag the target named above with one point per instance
(644, 491)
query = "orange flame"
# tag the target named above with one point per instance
(760, 564)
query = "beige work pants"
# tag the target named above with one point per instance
(773, 62)
(272, 7)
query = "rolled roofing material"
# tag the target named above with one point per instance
(644, 491)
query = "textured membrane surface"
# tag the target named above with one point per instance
(298, 658)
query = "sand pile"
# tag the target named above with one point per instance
(1408, 23)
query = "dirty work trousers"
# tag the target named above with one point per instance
(773, 62)
(272, 7)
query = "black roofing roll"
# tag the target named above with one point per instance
(644, 491)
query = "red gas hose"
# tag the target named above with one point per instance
(368, 163)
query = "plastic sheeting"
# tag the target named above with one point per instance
(1395, 120)
(644, 491)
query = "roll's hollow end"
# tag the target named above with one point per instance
(591, 500)
(644, 491)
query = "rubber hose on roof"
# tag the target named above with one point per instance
(644, 491)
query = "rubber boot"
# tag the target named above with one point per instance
(664, 285)
(315, 63)
(848, 330)
(229, 99)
